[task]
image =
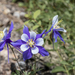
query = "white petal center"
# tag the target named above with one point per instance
(39, 42)
(34, 50)
(25, 37)
(5, 31)
(55, 20)
(24, 47)
(32, 35)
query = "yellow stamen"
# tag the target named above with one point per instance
(57, 27)
(29, 40)
(1, 35)
(31, 43)
(57, 23)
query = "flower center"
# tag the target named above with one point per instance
(1, 35)
(30, 42)
(56, 25)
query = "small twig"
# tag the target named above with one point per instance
(53, 40)
(63, 64)
(35, 64)
(15, 56)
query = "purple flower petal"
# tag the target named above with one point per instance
(60, 36)
(8, 41)
(39, 42)
(2, 44)
(55, 36)
(27, 54)
(8, 52)
(26, 31)
(48, 31)
(10, 30)
(17, 43)
(11, 27)
(24, 47)
(24, 37)
(40, 35)
(42, 51)
(32, 35)
(34, 50)
(61, 29)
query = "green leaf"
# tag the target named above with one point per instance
(71, 60)
(26, 22)
(36, 26)
(64, 63)
(17, 72)
(48, 64)
(36, 14)
(58, 69)
(13, 73)
(39, 23)
(69, 68)
(28, 15)
(21, 4)
(26, 73)
(13, 0)
(74, 67)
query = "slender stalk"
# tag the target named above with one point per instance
(15, 57)
(35, 64)
(63, 64)
(8, 52)
(59, 55)
(54, 2)
(18, 49)
(50, 40)
(53, 40)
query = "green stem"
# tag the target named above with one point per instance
(35, 64)
(63, 64)
(15, 57)
(60, 58)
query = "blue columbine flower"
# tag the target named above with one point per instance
(56, 28)
(5, 38)
(31, 43)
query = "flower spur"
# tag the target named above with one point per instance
(5, 38)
